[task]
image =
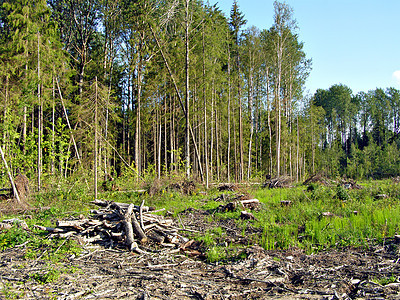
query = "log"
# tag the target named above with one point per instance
(49, 229)
(244, 202)
(5, 226)
(244, 215)
(138, 230)
(156, 237)
(77, 224)
(127, 220)
(250, 203)
(118, 205)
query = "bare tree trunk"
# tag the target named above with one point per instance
(297, 151)
(172, 134)
(95, 142)
(40, 117)
(229, 118)
(10, 176)
(24, 129)
(269, 127)
(138, 120)
(240, 126)
(155, 135)
(5, 125)
(251, 122)
(205, 113)
(212, 137)
(278, 127)
(217, 145)
(159, 142)
(106, 160)
(165, 134)
(53, 138)
(312, 143)
(187, 141)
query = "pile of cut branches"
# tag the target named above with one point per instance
(121, 224)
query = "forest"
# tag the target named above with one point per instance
(108, 88)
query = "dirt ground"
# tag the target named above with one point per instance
(100, 273)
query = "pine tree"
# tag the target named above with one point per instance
(237, 21)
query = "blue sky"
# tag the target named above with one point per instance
(353, 42)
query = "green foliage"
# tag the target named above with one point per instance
(8, 292)
(216, 253)
(386, 280)
(49, 276)
(353, 222)
(12, 237)
(341, 193)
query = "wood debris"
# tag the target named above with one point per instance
(227, 187)
(286, 203)
(121, 223)
(279, 182)
(252, 204)
(350, 184)
(318, 178)
(381, 196)
(244, 215)
(8, 224)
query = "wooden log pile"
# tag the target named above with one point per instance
(252, 204)
(279, 182)
(115, 224)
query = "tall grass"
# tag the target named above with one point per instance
(356, 217)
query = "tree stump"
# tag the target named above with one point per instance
(22, 185)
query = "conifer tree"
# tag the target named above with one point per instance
(237, 21)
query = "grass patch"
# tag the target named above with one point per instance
(318, 217)
(324, 217)
(48, 276)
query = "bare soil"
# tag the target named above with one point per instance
(100, 273)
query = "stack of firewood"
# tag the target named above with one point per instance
(121, 223)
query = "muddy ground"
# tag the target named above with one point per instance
(100, 273)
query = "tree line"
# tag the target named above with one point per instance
(153, 87)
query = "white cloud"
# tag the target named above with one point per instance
(396, 76)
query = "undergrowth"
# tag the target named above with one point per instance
(318, 217)
(324, 217)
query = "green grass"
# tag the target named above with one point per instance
(358, 218)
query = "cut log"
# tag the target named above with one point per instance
(77, 224)
(250, 203)
(328, 214)
(156, 237)
(22, 186)
(244, 215)
(127, 220)
(5, 226)
(138, 230)
(49, 229)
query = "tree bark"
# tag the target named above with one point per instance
(10, 176)
(187, 141)
(229, 117)
(40, 117)
(95, 142)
